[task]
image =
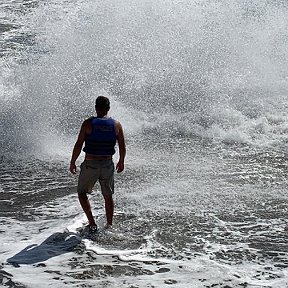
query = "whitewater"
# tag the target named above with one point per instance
(201, 89)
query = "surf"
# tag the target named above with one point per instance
(200, 88)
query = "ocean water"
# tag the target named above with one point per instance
(201, 89)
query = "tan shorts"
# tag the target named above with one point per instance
(93, 170)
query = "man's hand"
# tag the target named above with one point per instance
(120, 166)
(73, 168)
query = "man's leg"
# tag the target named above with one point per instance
(106, 180)
(85, 204)
(86, 181)
(109, 208)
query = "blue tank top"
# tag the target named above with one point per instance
(102, 140)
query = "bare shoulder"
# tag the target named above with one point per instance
(86, 125)
(117, 123)
(87, 122)
(118, 127)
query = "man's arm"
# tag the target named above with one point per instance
(78, 147)
(122, 147)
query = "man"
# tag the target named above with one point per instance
(100, 135)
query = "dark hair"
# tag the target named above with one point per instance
(102, 103)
